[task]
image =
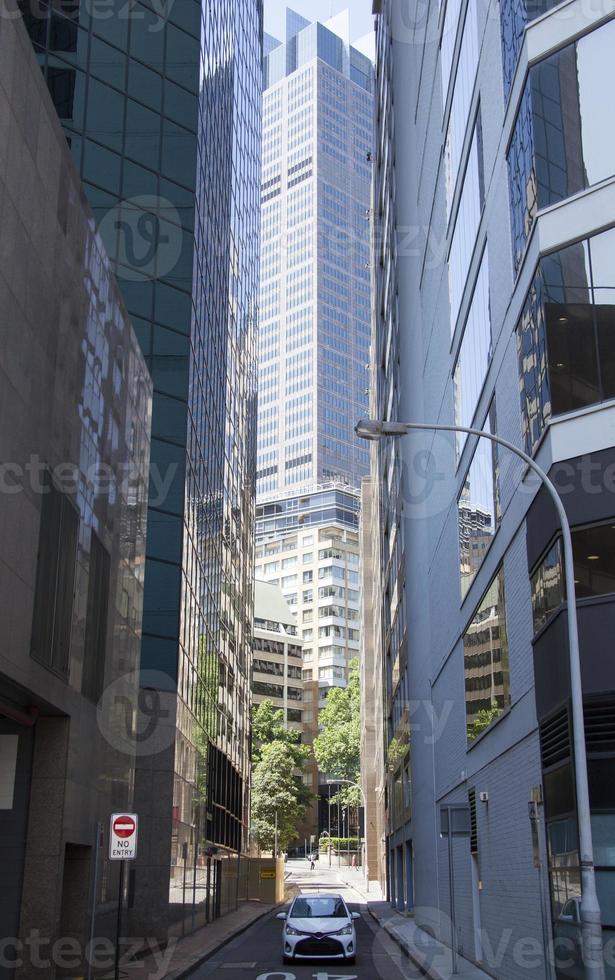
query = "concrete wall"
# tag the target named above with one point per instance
(74, 394)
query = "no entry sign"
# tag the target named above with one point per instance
(123, 837)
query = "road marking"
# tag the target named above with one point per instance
(237, 966)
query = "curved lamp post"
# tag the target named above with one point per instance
(374, 429)
(349, 782)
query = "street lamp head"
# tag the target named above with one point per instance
(374, 429)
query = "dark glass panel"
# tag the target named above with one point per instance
(594, 560)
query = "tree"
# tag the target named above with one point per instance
(337, 749)
(277, 762)
(268, 726)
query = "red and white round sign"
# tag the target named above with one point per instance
(124, 826)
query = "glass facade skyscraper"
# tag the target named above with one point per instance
(315, 308)
(315, 280)
(161, 107)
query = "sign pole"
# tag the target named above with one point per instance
(120, 899)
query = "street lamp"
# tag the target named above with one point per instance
(350, 782)
(375, 429)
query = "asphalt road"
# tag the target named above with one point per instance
(257, 953)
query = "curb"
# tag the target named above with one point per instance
(187, 970)
(407, 949)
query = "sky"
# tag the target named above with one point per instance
(361, 20)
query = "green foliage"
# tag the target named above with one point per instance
(268, 726)
(482, 721)
(339, 843)
(395, 753)
(349, 796)
(337, 748)
(277, 762)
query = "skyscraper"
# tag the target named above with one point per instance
(497, 318)
(314, 342)
(161, 107)
(315, 281)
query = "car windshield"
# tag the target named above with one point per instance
(319, 908)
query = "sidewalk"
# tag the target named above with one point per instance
(433, 958)
(185, 955)
(355, 879)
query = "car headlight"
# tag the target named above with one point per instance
(346, 931)
(291, 932)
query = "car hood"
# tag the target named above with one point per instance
(323, 926)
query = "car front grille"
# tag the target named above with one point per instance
(319, 947)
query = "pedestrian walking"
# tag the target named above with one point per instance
(312, 862)
(354, 860)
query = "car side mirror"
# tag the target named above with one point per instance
(282, 916)
(355, 915)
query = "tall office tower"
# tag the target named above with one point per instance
(161, 107)
(314, 336)
(499, 316)
(315, 282)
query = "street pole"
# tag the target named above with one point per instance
(329, 826)
(591, 926)
(120, 900)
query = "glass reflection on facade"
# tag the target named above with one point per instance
(485, 654)
(594, 571)
(466, 224)
(474, 353)
(561, 144)
(565, 334)
(514, 15)
(478, 506)
(161, 108)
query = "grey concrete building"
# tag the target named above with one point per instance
(494, 220)
(75, 403)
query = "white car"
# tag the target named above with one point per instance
(319, 927)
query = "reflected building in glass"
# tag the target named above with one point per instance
(500, 319)
(161, 109)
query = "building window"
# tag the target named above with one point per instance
(267, 690)
(466, 226)
(560, 144)
(307, 675)
(485, 655)
(293, 714)
(268, 667)
(96, 621)
(478, 506)
(474, 353)
(565, 335)
(55, 581)
(515, 14)
(594, 571)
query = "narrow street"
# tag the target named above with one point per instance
(257, 953)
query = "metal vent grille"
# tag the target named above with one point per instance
(555, 739)
(600, 726)
(473, 821)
